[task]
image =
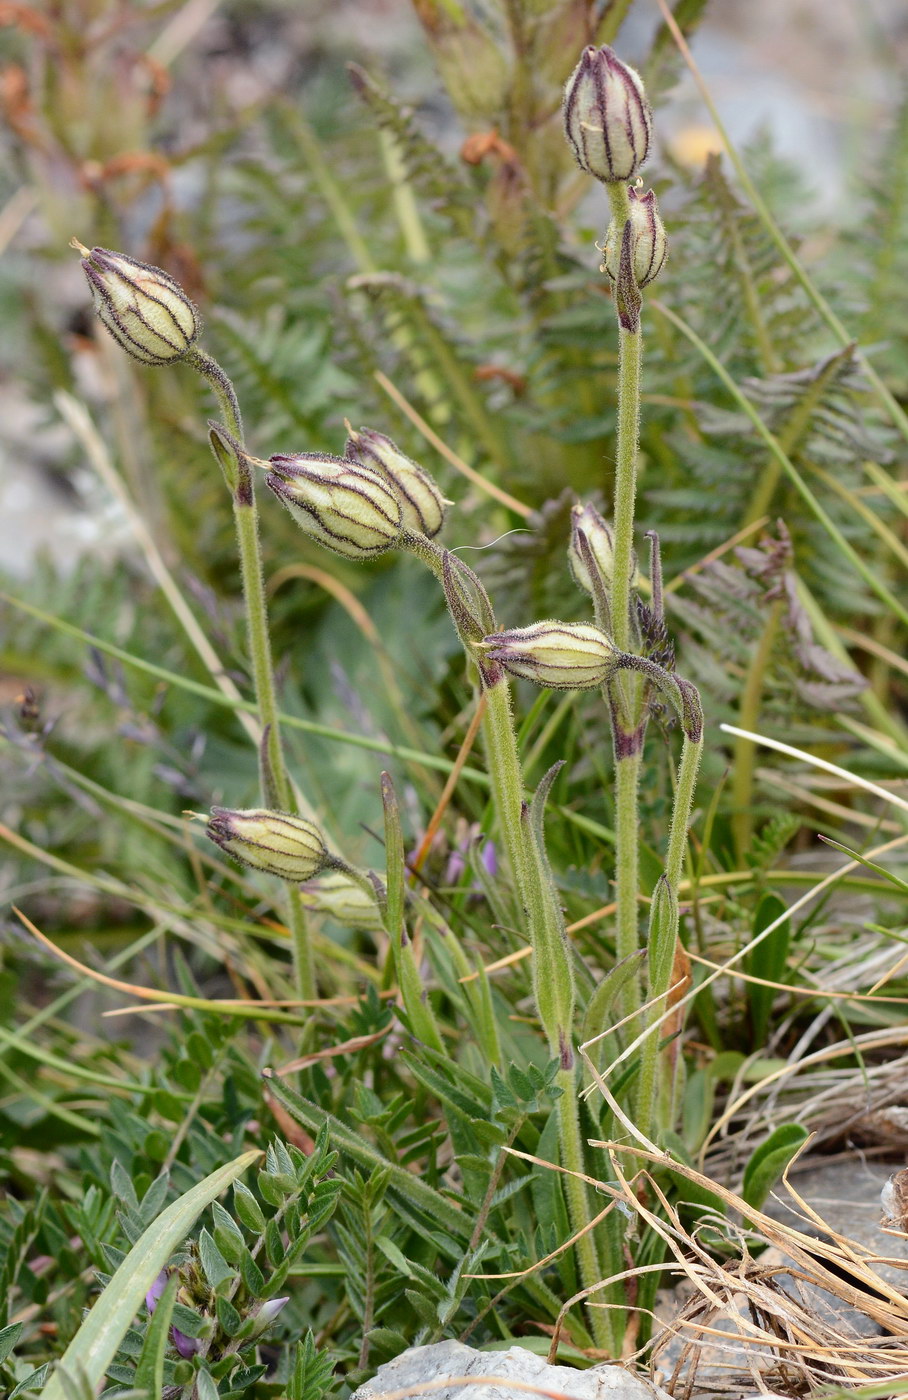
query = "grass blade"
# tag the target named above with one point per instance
(95, 1344)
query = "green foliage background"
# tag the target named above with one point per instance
(329, 237)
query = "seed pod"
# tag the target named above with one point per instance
(345, 900)
(145, 310)
(274, 842)
(599, 539)
(650, 244)
(561, 655)
(422, 504)
(607, 119)
(344, 506)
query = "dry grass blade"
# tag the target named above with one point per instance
(853, 778)
(254, 1010)
(793, 1345)
(450, 456)
(448, 792)
(346, 1047)
(794, 990)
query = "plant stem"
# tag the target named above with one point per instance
(274, 780)
(553, 975)
(688, 768)
(749, 717)
(606, 1324)
(650, 1091)
(506, 778)
(630, 358)
(625, 692)
(627, 862)
(552, 970)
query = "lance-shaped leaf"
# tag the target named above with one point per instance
(95, 1344)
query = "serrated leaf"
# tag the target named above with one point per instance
(95, 1344)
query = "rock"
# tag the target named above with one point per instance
(453, 1360)
(846, 1195)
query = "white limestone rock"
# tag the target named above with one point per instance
(454, 1361)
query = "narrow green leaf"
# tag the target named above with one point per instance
(213, 1262)
(95, 1344)
(150, 1366)
(396, 1255)
(248, 1208)
(869, 864)
(770, 1160)
(9, 1336)
(768, 960)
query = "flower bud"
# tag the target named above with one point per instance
(346, 901)
(607, 119)
(562, 655)
(270, 1310)
(290, 847)
(145, 310)
(650, 243)
(422, 504)
(599, 539)
(344, 506)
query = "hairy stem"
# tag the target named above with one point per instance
(654, 1089)
(628, 724)
(606, 1324)
(274, 780)
(538, 897)
(627, 862)
(630, 358)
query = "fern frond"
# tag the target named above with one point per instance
(433, 177)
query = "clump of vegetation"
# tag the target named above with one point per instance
(460, 977)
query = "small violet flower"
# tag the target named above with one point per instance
(186, 1346)
(155, 1291)
(457, 859)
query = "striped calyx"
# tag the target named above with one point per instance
(274, 842)
(343, 505)
(649, 242)
(588, 521)
(422, 504)
(607, 119)
(345, 900)
(561, 655)
(145, 310)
